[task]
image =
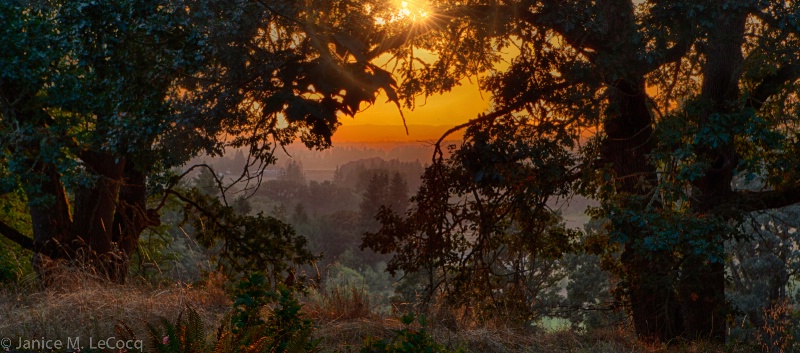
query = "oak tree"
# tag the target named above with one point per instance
(100, 101)
(655, 108)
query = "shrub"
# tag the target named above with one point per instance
(284, 330)
(406, 340)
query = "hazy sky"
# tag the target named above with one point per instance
(452, 108)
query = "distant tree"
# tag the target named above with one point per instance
(355, 174)
(239, 162)
(299, 214)
(293, 172)
(397, 195)
(207, 182)
(328, 197)
(338, 232)
(241, 206)
(374, 197)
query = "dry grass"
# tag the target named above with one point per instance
(346, 336)
(348, 303)
(81, 306)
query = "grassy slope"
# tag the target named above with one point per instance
(81, 307)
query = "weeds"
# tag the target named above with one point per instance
(406, 340)
(285, 329)
(254, 318)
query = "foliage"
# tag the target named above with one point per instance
(369, 282)
(184, 335)
(406, 340)
(85, 105)
(653, 108)
(100, 100)
(11, 268)
(764, 273)
(481, 228)
(285, 330)
(13, 263)
(286, 327)
(284, 70)
(244, 243)
(590, 302)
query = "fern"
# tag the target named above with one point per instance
(285, 330)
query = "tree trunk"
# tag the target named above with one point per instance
(51, 221)
(95, 208)
(702, 285)
(629, 130)
(132, 216)
(104, 230)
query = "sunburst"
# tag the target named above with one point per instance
(413, 10)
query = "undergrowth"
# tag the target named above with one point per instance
(255, 318)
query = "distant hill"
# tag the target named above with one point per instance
(392, 133)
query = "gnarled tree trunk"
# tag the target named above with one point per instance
(102, 233)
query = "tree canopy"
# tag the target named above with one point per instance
(102, 100)
(658, 109)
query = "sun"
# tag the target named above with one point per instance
(414, 10)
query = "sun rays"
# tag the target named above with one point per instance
(415, 11)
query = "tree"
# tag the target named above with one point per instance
(207, 182)
(480, 228)
(761, 272)
(665, 103)
(382, 192)
(397, 194)
(293, 173)
(375, 196)
(85, 120)
(99, 101)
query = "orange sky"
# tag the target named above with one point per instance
(426, 122)
(430, 118)
(461, 104)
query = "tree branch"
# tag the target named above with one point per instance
(528, 97)
(577, 36)
(751, 201)
(772, 84)
(15, 236)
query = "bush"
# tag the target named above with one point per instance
(284, 330)
(406, 340)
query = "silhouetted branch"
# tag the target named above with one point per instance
(15, 236)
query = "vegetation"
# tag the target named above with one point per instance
(675, 120)
(658, 110)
